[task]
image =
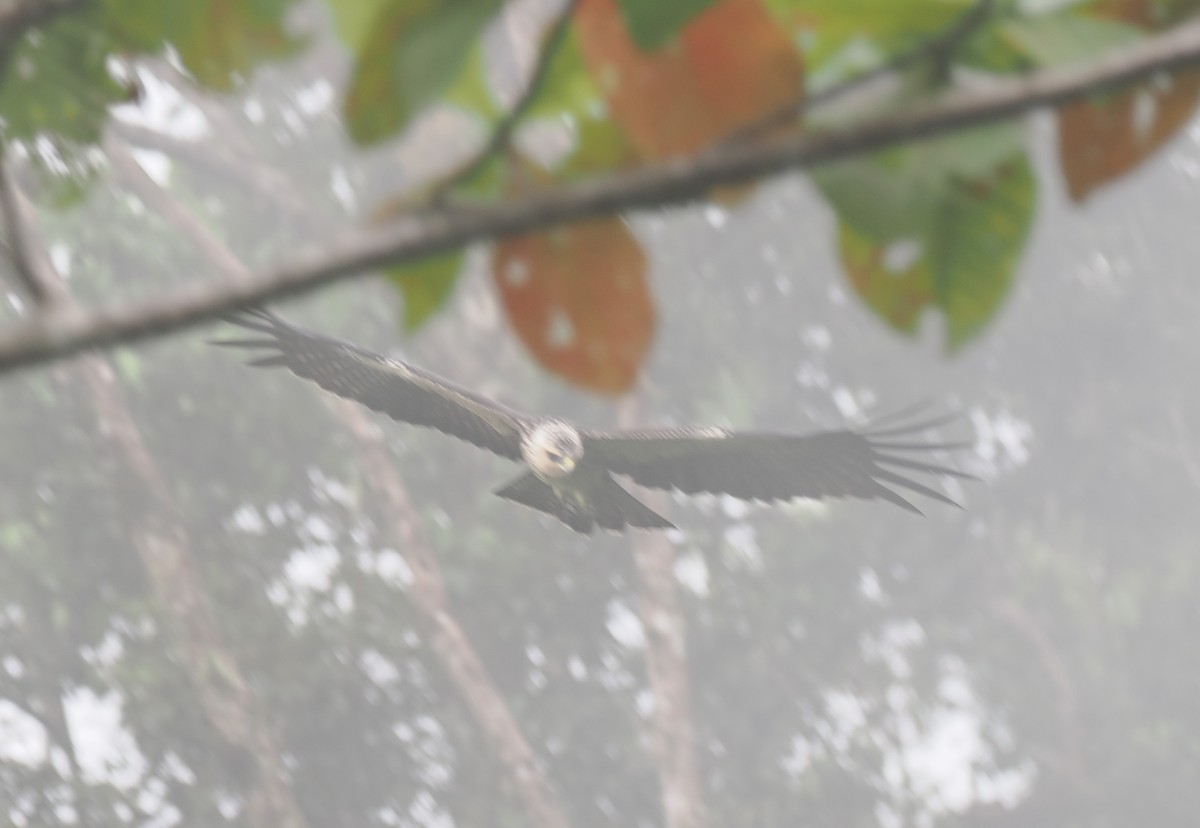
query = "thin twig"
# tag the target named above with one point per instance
(678, 181)
(501, 135)
(936, 49)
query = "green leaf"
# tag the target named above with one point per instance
(900, 192)
(829, 26)
(471, 94)
(568, 89)
(58, 83)
(973, 253)
(600, 145)
(487, 182)
(879, 203)
(652, 23)
(978, 151)
(939, 224)
(219, 41)
(415, 50)
(871, 16)
(470, 90)
(1066, 38)
(570, 95)
(377, 105)
(426, 286)
(989, 51)
(353, 19)
(57, 86)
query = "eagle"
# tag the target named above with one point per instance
(571, 471)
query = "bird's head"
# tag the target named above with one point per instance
(553, 450)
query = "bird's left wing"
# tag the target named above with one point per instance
(763, 466)
(389, 386)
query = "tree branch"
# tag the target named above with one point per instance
(447, 639)
(681, 181)
(501, 135)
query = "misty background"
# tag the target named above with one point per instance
(1028, 660)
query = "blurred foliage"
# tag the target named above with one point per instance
(570, 96)
(633, 83)
(412, 51)
(218, 41)
(426, 287)
(938, 225)
(60, 81)
(57, 83)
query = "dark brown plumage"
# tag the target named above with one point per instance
(571, 470)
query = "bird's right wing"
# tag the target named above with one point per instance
(389, 386)
(763, 466)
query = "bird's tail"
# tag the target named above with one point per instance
(607, 505)
(271, 330)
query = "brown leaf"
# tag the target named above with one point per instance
(729, 65)
(577, 297)
(1099, 142)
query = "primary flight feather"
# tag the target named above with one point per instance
(570, 470)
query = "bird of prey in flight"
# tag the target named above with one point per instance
(570, 471)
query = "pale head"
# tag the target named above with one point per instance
(552, 449)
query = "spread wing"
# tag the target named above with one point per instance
(389, 386)
(762, 466)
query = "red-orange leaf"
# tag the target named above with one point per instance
(577, 297)
(1100, 142)
(729, 64)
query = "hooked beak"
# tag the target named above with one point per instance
(568, 463)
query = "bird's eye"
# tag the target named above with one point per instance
(554, 455)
